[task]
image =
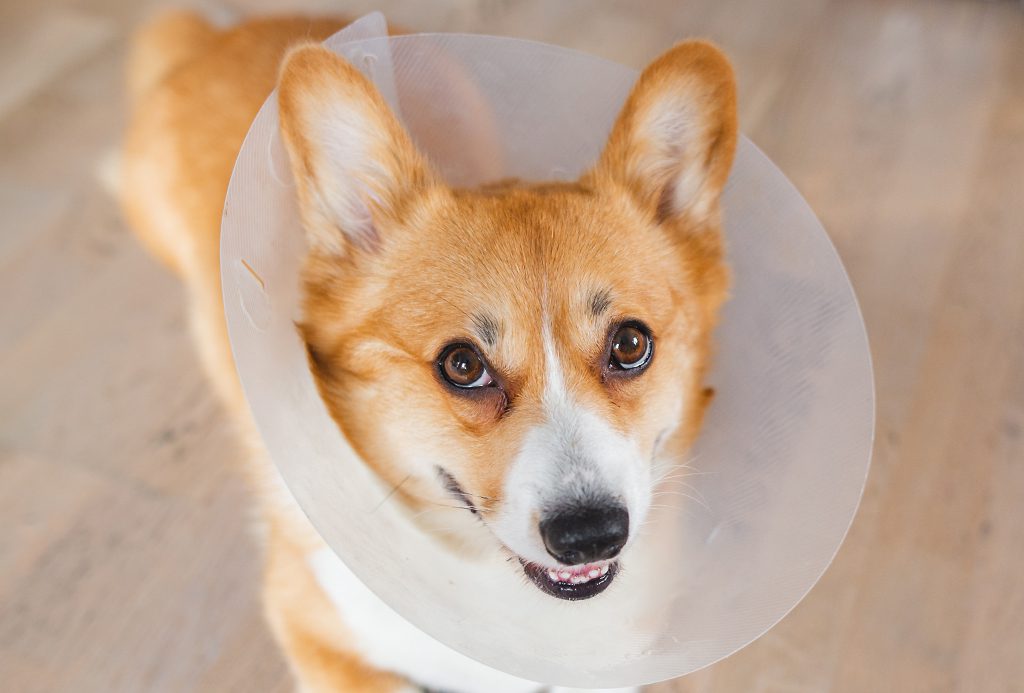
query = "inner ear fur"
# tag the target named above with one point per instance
(673, 143)
(354, 164)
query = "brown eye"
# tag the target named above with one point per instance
(462, 367)
(632, 347)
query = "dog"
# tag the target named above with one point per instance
(546, 343)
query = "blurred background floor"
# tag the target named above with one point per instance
(126, 562)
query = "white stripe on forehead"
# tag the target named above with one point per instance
(572, 431)
(556, 398)
(555, 394)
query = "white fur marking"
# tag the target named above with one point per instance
(574, 451)
(389, 642)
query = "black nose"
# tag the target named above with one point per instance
(586, 534)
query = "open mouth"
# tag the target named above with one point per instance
(572, 583)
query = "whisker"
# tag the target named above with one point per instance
(684, 486)
(438, 507)
(697, 499)
(453, 306)
(683, 473)
(674, 468)
(477, 495)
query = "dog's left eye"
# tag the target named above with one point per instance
(632, 348)
(463, 367)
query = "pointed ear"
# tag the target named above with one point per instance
(353, 162)
(673, 143)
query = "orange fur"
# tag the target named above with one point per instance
(642, 226)
(445, 255)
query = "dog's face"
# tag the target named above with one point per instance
(522, 351)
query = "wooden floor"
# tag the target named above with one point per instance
(126, 563)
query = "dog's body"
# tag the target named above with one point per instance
(509, 325)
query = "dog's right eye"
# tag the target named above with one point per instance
(463, 367)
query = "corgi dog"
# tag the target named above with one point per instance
(544, 343)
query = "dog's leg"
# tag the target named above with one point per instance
(309, 630)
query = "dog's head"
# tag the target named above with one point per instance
(523, 351)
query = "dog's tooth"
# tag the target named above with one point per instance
(576, 579)
(594, 572)
(553, 575)
(565, 575)
(604, 570)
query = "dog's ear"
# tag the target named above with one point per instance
(673, 143)
(353, 162)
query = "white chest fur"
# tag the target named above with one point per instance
(389, 642)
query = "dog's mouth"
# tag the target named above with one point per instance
(572, 583)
